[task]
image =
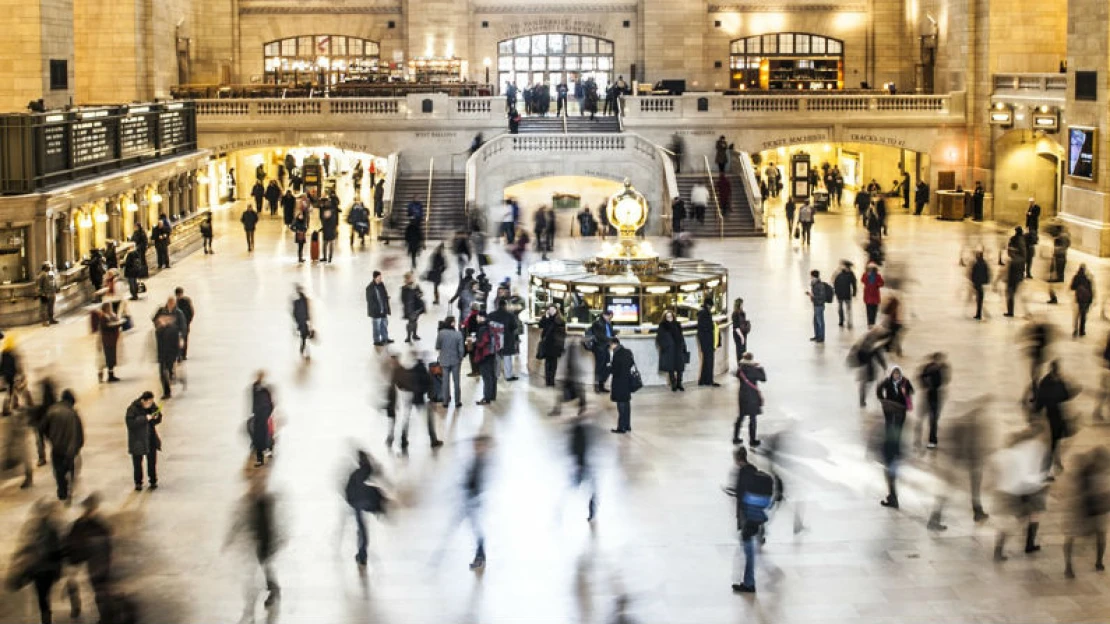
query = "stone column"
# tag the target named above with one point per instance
(1086, 204)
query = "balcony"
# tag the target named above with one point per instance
(764, 108)
(1048, 86)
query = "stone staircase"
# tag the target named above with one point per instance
(575, 125)
(739, 220)
(446, 213)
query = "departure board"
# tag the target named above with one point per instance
(55, 147)
(173, 129)
(136, 135)
(93, 142)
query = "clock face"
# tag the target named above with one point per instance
(628, 211)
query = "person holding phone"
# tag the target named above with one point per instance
(143, 415)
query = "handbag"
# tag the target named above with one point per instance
(127, 323)
(636, 381)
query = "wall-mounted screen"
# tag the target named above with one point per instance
(625, 309)
(1081, 152)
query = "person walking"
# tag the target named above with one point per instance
(597, 342)
(258, 192)
(414, 240)
(89, 542)
(452, 348)
(302, 320)
(273, 196)
(377, 308)
(169, 336)
(754, 492)
(109, 327)
(300, 233)
(142, 438)
(364, 493)
(707, 344)
(38, 555)
(750, 373)
(553, 338)
(934, 376)
(23, 418)
(473, 489)
(1090, 504)
(844, 287)
(506, 324)
(872, 295)
(1060, 244)
(359, 220)
(673, 353)
(437, 266)
(699, 198)
(805, 221)
(819, 294)
(741, 327)
(260, 425)
(329, 226)
(249, 219)
(412, 306)
(980, 276)
(921, 196)
(1020, 480)
(47, 286)
(896, 396)
(581, 443)
(1084, 290)
(256, 517)
(412, 384)
(62, 427)
(288, 207)
(625, 382)
(1051, 394)
(1014, 275)
(206, 233)
(721, 154)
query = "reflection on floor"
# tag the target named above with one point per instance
(665, 533)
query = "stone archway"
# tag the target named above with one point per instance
(1025, 166)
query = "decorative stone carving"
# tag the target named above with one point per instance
(319, 10)
(547, 7)
(763, 7)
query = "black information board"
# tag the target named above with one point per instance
(93, 142)
(136, 135)
(173, 130)
(55, 142)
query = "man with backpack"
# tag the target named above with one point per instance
(754, 491)
(820, 293)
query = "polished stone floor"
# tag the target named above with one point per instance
(664, 536)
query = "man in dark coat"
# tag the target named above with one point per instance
(377, 308)
(750, 374)
(707, 343)
(142, 438)
(553, 340)
(249, 221)
(63, 429)
(510, 341)
(844, 287)
(921, 196)
(980, 277)
(90, 542)
(139, 238)
(414, 240)
(1052, 393)
(934, 376)
(602, 331)
(1033, 216)
(169, 334)
(188, 312)
(273, 195)
(621, 366)
(258, 192)
(863, 202)
(359, 219)
(161, 235)
(259, 425)
(379, 198)
(329, 223)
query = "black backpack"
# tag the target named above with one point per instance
(759, 497)
(826, 292)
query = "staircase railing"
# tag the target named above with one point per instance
(742, 166)
(620, 113)
(428, 202)
(393, 169)
(713, 195)
(670, 183)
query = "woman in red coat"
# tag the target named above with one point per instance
(872, 282)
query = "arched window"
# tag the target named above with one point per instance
(787, 61)
(321, 60)
(555, 58)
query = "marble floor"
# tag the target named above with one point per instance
(664, 538)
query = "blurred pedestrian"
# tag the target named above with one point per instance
(699, 198)
(437, 266)
(968, 440)
(867, 355)
(249, 219)
(47, 287)
(256, 517)
(412, 306)
(933, 376)
(1019, 477)
(412, 384)
(260, 426)
(185, 305)
(1090, 505)
(14, 454)
(414, 241)
(844, 287)
(206, 233)
(1051, 394)
(754, 492)
(62, 427)
(750, 374)
(302, 320)
(364, 493)
(673, 353)
(596, 341)
(1084, 290)
(805, 221)
(168, 322)
(142, 438)
(89, 542)
(582, 436)
(1061, 241)
(980, 276)
(37, 558)
(741, 327)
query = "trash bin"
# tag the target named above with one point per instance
(821, 201)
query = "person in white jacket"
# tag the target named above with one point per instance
(1020, 481)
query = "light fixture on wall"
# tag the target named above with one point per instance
(1046, 119)
(132, 207)
(84, 222)
(1002, 115)
(203, 179)
(487, 62)
(156, 198)
(101, 217)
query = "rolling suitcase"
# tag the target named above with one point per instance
(435, 371)
(314, 246)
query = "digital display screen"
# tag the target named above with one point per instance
(625, 309)
(1081, 153)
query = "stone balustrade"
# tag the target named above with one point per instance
(740, 108)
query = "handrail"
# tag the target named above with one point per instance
(713, 193)
(620, 112)
(564, 120)
(742, 161)
(428, 203)
(670, 181)
(392, 172)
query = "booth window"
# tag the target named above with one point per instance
(787, 60)
(555, 58)
(321, 60)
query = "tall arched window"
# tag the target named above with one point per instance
(787, 61)
(555, 58)
(321, 60)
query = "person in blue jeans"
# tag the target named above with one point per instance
(363, 495)
(818, 296)
(750, 515)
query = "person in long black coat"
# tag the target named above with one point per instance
(273, 196)
(1052, 393)
(288, 207)
(168, 339)
(620, 388)
(602, 330)
(259, 424)
(707, 343)
(895, 394)
(142, 438)
(672, 350)
(258, 192)
(750, 373)
(414, 240)
(553, 339)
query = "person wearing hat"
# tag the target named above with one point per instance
(47, 283)
(142, 439)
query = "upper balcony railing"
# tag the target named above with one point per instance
(1050, 89)
(412, 106)
(851, 106)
